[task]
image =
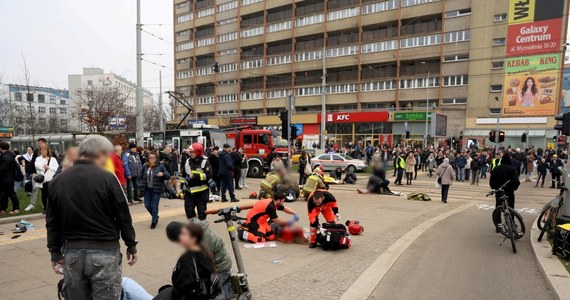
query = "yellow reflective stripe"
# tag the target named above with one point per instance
(196, 189)
(266, 184)
(201, 173)
(231, 228)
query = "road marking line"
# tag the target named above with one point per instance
(365, 284)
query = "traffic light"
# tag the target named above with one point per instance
(407, 134)
(501, 136)
(216, 67)
(293, 132)
(492, 136)
(453, 141)
(564, 128)
(523, 137)
(555, 138)
(284, 116)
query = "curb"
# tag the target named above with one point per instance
(556, 276)
(16, 219)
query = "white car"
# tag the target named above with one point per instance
(332, 161)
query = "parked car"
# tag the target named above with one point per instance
(332, 161)
(297, 154)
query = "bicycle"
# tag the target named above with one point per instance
(508, 217)
(547, 219)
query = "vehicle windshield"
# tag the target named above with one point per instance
(345, 156)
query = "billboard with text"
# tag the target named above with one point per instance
(531, 85)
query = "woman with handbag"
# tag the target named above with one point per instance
(192, 277)
(304, 167)
(46, 165)
(445, 176)
(153, 176)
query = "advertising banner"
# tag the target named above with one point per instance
(522, 11)
(440, 125)
(531, 85)
(385, 140)
(411, 116)
(355, 117)
(565, 96)
(534, 38)
(243, 121)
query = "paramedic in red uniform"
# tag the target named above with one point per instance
(264, 212)
(321, 202)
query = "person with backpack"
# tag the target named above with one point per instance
(321, 202)
(10, 172)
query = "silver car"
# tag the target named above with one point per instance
(335, 160)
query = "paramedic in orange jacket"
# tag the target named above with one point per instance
(321, 202)
(257, 228)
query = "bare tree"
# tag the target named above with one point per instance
(5, 109)
(97, 104)
(151, 117)
(30, 98)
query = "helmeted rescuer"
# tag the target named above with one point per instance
(198, 171)
(257, 227)
(269, 184)
(314, 182)
(321, 202)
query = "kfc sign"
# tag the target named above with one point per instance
(356, 117)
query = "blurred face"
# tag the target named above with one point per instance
(318, 201)
(279, 202)
(29, 150)
(152, 158)
(215, 152)
(72, 154)
(44, 152)
(186, 240)
(133, 150)
(118, 150)
(191, 153)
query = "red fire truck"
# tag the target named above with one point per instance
(256, 143)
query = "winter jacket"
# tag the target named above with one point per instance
(475, 164)
(460, 162)
(157, 182)
(215, 163)
(184, 275)
(542, 168)
(196, 176)
(214, 243)
(88, 204)
(236, 157)
(410, 164)
(445, 171)
(226, 163)
(502, 173)
(8, 167)
(132, 164)
(119, 169)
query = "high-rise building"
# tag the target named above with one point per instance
(410, 58)
(96, 77)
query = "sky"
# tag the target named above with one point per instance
(60, 37)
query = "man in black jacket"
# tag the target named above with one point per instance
(215, 163)
(237, 157)
(501, 174)
(86, 216)
(8, 169)
(227, 170)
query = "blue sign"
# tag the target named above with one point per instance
(565, 95)
(199, 121)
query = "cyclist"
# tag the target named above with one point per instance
(501, 174)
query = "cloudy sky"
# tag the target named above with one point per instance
(60, 37)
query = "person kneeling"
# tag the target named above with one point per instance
(321, 202)
(257, 228)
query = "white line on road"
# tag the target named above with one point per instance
(371, 277)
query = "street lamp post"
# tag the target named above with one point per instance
(323, 100)
(427, 105)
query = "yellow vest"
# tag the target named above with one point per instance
(270, 181)
(314, 182)
(495, 163)
(401, 163)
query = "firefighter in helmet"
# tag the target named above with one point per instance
(321, 202)
(197, 171)
(314, 182)
(269, 184)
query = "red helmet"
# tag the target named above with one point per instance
(354, 227)
(253, 195)
(198, 149)
(319, 170)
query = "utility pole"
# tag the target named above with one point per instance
(139, 94)
(323, 99)
(161, 118)
(290, 107)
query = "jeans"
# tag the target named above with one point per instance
(226, 288)
(461, 173)
(243, 176)
(133, 188)
(92, 274)
(474, 176)
(227, 185)
(7, 191)
(133, 291)
(467, 174)
(399, 178)
(444, 192)
(484, 171)
(151, 201)
(237, 176)
(18, 185)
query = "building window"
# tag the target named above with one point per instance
(184, 46)
(251, 96)
(416, 83)
(227, 82)
(380, 6)
(420, 41)
(227, 6)
(248, 2)
(277, 94)
(41, 109)
(63, 122)
(499, 42)
(181, 5)
(454, 101)
(309, 20)
(342, 51)
(279, 26)
(380, 46)
(63, 111)
(53, 110)
(41, 98)
(226, 52)
(457, 36)
(497, 65)
(228, 68)
(251, 32)
(52, 99)
(204, 71)
(205, 42)
(227, 98)
(416, 2)
(343, 13)
(308, 91)
(378, 86)
(343, 88)
(455, 80)
(227, 112)
(205, 100)
(500, 18)
(279, 60)
(184, 74)
(62, 101)
(496, 88)
(455, 58)
(458, 13)
(227, 21)
(232, 36)
(183, 33)
(250, 64)
(18, 96)
(183, 18)
(313, 55)
(205, 12)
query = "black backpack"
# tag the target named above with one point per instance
(333, 237)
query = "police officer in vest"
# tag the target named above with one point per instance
(400, 167)
(198, 172)
(497, 160)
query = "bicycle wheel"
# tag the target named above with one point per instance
(518, 224)
(510, 232)
(547, 225)
(543, 216)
